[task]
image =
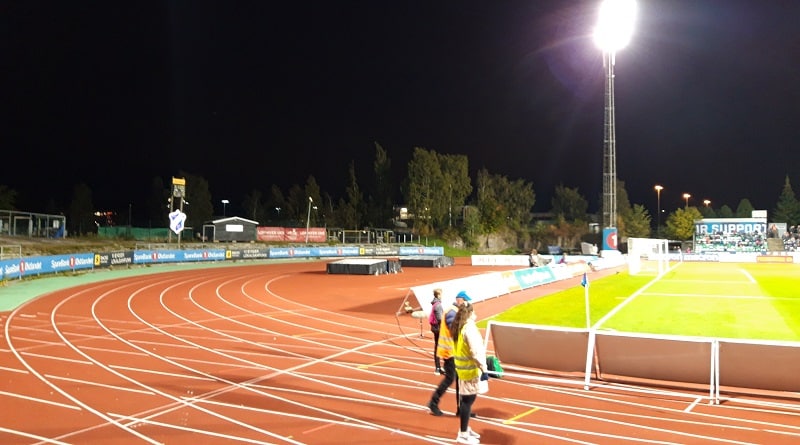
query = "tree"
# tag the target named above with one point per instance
(312, 191)
(157, 204)
(490, 208)
(453, 190)
(198, 205)
(351, 210)
(8, 198)
(379, 201)
(569, 204)
(680, 223)
(296, 202)
(725, 212)
(276, 203)
(423, 172)
(707, 212)
(788, 207)
(637, 224)
(81, 211)
(504, 203)
(624, 210)
(745, 209)
(253, 206)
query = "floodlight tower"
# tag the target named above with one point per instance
(614, 30)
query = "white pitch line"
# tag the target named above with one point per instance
(749, 277)
(744, 297)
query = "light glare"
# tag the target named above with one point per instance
(615, 24)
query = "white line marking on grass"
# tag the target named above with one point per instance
(629, 299)
(747, 274)
(744, 297)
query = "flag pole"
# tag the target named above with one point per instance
(585, 284)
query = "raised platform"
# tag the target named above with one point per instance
(426, 261)
(364, 266)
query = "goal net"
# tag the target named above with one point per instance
(647, 256)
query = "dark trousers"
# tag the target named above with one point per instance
(465, 409)
(450, 376)
(436, 359)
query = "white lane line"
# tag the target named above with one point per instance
(692, 405)
(284, 414)
(21, 371)
(57, 358)
(32, 436)
(161, 373)
(36, 399)
(102, 385)
(136, 421)
(52, 319)
(232, 385)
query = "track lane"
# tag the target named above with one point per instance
(291, 355)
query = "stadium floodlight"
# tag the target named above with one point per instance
(658, 208)
(225, 203)
(613, 32)
(686, 196)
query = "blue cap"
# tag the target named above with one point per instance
(463, 295)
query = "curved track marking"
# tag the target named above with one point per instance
(336, 372)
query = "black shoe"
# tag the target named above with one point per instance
(434, 409)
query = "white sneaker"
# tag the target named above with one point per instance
(472, 433)
(466, 438)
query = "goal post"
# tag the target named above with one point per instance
(647, 256)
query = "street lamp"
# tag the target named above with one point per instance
(706, 202)
(225, 203)
(613, 31)
(686, 196)
(658, 208)
(308, 218)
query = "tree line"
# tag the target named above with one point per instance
(439, 195)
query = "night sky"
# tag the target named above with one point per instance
(252, 93)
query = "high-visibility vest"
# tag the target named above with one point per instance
(445, 347)
(466, 368)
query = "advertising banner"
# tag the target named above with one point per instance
(46, 264)
(108, 259)
(291, 234)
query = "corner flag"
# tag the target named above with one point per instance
(584, 280)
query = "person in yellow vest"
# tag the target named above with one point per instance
(470, 361)
(444, 351)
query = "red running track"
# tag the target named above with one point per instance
(288, 354)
